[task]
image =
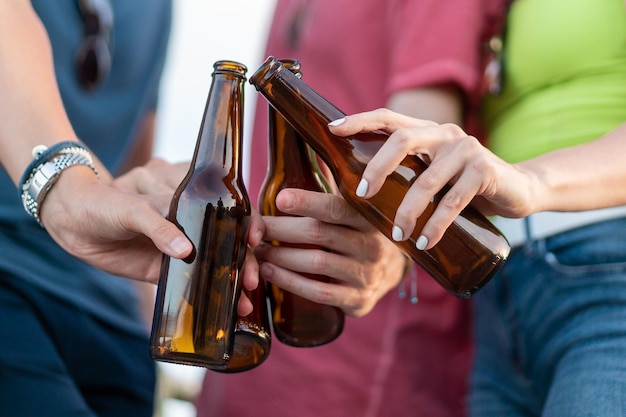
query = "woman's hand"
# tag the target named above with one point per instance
(119, 226)
(362, 263)
(475, 175)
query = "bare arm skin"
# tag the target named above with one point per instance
(116, 225)
(583, 177)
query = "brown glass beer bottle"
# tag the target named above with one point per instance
(196, 305)
(297, 321)
(253, 336)
(471, 250)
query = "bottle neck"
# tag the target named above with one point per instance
(288, 152)
(219, 141)
(302, 107)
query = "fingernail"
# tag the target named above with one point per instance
(256, 237)
(361, 190)
(180, 245)
(266, 271)
(337, 122)
(396, 233)
(421, 242)
(287, 200)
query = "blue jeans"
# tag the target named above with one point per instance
(551, 329)
(57, 361)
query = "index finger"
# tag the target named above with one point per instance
(328, 208)
(379, 119)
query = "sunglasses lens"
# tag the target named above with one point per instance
(93, 62)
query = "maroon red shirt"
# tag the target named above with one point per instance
(402, 359)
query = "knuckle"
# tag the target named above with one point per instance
(403, 138)
(375, 247)
(141, 172)
(383, 115)
(338, 209)
(452, 201)
(471, 144)
(362, 304)
(323, 295)
(382, 112)
(453, 130)
(320, 262)
(427, 182)
(316, 232)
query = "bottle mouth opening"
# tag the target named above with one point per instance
(292, 65)
(268, 69)
(226, 66)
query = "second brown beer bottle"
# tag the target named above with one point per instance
(470, 251)
(297, 321)
(196, 305)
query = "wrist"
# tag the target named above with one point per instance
(45, 170)
(72, 189)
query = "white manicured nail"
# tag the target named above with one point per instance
(361, 190)
(337, 122)
(396, 233)
(421, 242)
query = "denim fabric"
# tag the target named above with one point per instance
(59, 361)
(551, 329)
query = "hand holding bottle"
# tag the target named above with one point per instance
(119, 232)
(364, 264)
(470, 251)
(454, 158)
(158, 179)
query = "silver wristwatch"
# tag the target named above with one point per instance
(45, 175)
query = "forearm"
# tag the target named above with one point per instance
(31, 106)
(584, 177)
(143, 146)
(441, 104)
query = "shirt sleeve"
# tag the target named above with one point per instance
(435, 42)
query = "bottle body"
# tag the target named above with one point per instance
(253, 339)
(471, 250)
(296, 320)
(196, 307)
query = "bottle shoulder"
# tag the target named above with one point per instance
(212, 185)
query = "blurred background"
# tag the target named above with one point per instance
(203, 32)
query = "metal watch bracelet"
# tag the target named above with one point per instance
(44, 174)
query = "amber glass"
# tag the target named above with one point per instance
(252, 335)
(196, 306)
(471, 250)
(297, 321)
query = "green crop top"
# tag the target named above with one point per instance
(564, 77)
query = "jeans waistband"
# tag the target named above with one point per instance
(549, 223)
